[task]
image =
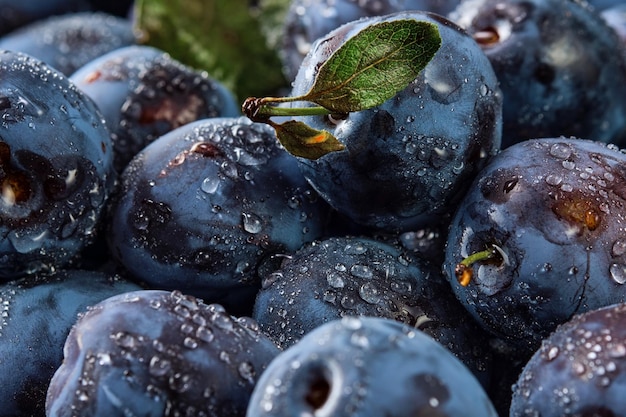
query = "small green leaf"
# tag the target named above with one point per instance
(374, 65)
(226, 38)
(301, 140)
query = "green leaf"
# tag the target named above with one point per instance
(302, 140)
(374, 65)
(223, 37)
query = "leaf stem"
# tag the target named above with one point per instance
(292, 111)
(261, 109)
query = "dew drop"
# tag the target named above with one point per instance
(205, 334)
(560, 151)
(190, 343)
(369, 293)
(554, 179)
(401, 287)
(246, 371)
(553, 352)
(209, 185)
(361, 271)
(618, 273)
(618, 248)
(578, 368)
(355, 249)
(617, 350)
(335, 280)
(159, 366)
(251, 223)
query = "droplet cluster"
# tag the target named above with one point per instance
(580, 368)
(171, 350)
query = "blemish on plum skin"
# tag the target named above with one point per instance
(578, 210)
(206, 149)
(93, 77)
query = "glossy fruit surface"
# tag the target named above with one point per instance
(348, 276)
(158, 353)
(550, 215)
(367, 367)
(68, 42)
(408, 160)
(558, 64)
(56, 167)
(36, 315)
(143, 93)
(580, 369)
(201, 209)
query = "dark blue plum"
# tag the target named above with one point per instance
(580, 369)
(56, 167)
(15, 14)
(36, 315)
(70, 41)
(559, 67)
(158, 353)
(350, 276)
(308, 20)
(368, 366)
(143, 93)
(204, 206)
(546, 220)
(410, 159)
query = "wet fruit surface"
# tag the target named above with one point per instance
(579, 370)
(68, 42)
(202, 207)
(143, 93)
(36, 314)
(348, 276)
(158, 353)
(400, 170)
(552, 213)
(366, 367)
(557, 65)
(56, 167)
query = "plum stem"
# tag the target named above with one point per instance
(464, 271)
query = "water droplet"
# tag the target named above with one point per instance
(617, 350)
(369, 293)
(578, 368)
(223, 322)
(553, 352)
(554, 179)
(251, 223)
(560, 151)
(347, 302)
(209, 185)
(401, 287)
(618, 248)
(246, 371)
(330, 297)
(361, 271)
(355, 249)
(205, 334)
(190, 343)
(125, 340)
(335, 280)
(159, 367)
(618, 273)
